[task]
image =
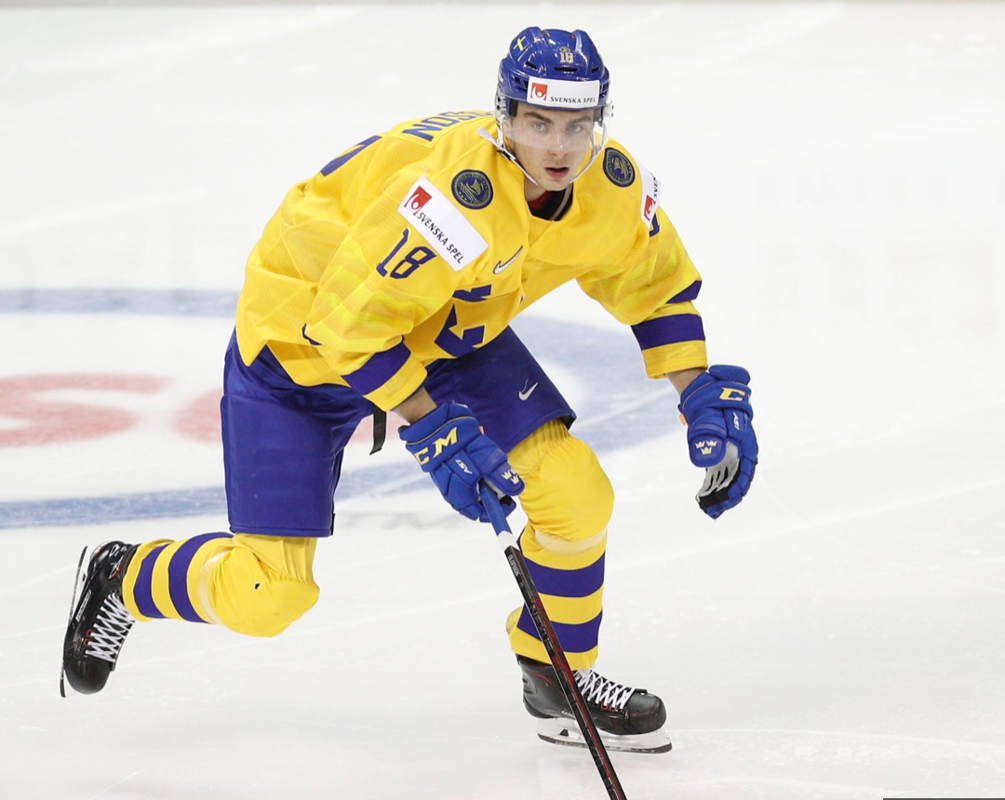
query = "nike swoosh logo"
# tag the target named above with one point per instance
(527, 392)
(500, 266)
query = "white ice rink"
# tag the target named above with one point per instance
(837, 172)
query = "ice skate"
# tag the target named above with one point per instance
(98, 621)
(628, 719)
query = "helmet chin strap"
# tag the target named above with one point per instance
(500, 144)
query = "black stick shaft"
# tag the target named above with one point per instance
(551, 644)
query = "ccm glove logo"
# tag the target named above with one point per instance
(422, 456)
(449, 445)
(729, 393)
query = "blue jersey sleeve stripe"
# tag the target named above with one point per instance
(574, 638)
(379, 369)
(143, 592)
(335, 163)
(669, 330)
(568, 582)
(690, 293)
(178, 575)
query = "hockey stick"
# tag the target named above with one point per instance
(547, 633)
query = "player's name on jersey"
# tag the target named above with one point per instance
(427, 127)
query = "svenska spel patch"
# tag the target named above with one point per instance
(441, 224)
(650, 194)
(563, 94)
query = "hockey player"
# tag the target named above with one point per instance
(388, 281)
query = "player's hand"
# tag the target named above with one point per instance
(720, 437)
(450, 446)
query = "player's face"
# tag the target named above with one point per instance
(551, 145)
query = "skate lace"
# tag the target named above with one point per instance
(111, 625)
(603, 691)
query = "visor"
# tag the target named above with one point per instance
(573, 137)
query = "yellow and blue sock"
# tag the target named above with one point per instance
(568, 500)
(255, 585)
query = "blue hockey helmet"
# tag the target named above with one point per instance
(555, 69)
(560, 71)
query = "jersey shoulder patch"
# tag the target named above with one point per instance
(442, 224)
(618, 168)
(624, 171)
(472, 188)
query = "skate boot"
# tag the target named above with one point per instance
(98, 621)
(628, 719)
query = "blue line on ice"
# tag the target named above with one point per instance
(600, 360)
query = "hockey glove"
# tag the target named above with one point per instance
(716, 408)
(450, 446)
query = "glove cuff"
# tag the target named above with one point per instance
(432, 422)
(702, 380)
(724, 372)
(722, 387)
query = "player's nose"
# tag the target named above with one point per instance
(557, 142)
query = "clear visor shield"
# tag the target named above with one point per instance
(559, 139)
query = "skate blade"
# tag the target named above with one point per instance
(78, 583)
(567, 733)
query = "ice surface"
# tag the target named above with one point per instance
(836, 172)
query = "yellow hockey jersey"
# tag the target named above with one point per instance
(418, 244)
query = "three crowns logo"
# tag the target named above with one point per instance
(706, 447)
